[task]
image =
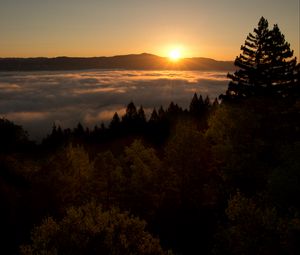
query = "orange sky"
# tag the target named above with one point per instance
(214, 28)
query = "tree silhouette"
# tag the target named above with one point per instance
(207, 102)
(141, 113)
(282, 68)
(115, 122)
(79, 130)
(12, 136)
(131, 113)
(265, 64)
(154, 116)
(195, 105)
(161, 113)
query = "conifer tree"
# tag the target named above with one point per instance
(141, 115)
(115, 122)
(131, 113)
(195, 105)
(207, 102)
(161, 112)
(281, 72)
(79, 130)
(201, 102)
(154, 116)
(215, 103)
(265, 65)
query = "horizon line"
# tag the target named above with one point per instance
(108, 56)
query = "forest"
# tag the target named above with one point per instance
(221, 177)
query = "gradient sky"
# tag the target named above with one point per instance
(214, 28)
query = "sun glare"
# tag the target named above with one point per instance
(175, 54)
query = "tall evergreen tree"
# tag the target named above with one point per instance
(141, 115)
(195, 105)
(131, 113)
(79, 130)
(215, 103)
(161, 113)
(265, 64)
(154, 116)
(201, 102)
(12, 136)
(115, 122)
(207, 102)
(282, 67)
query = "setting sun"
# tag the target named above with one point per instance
(175, 54)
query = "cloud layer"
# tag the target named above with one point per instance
(38, 99)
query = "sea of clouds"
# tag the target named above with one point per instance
(36, 100)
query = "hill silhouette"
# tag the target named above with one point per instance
(142, 61)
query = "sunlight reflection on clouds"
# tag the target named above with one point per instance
(38, 99)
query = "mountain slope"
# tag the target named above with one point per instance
(142, 61)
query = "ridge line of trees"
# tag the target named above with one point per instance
(134, 122)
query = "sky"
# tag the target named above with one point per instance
(199, 28)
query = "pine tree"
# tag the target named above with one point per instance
(79, 130)
(161, 113)
(264, 66)
(201, 102)
(195, 105)
(281, 72)
(215, 103)
(154, 116)
(131, 113)
(207, 102)
(115, 122)
(141, 115)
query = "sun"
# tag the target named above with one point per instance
(175, 54)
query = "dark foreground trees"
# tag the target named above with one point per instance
(12, 137)
(90, 230)
(227, 187)
(265, 67)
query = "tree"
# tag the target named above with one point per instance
(161, 113)
(195, 106)
(141, 119)
(207, 103)
(173, 109)
(107, 178)
(215, 103)
(265, 65)
(130, 119)
(282, 70)
(115, 122)
(239, 152)
(154, 116)
(13, 137)
(131, 113)
(141, 115)
(90, 230)
(79, 131)
(141, 170)
(252, 229)
(188, 155)
(284, 181)
(68, 173)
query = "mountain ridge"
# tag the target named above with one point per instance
(143, 61)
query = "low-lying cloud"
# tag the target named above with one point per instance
(36, 100)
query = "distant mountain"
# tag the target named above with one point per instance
(142, 61)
